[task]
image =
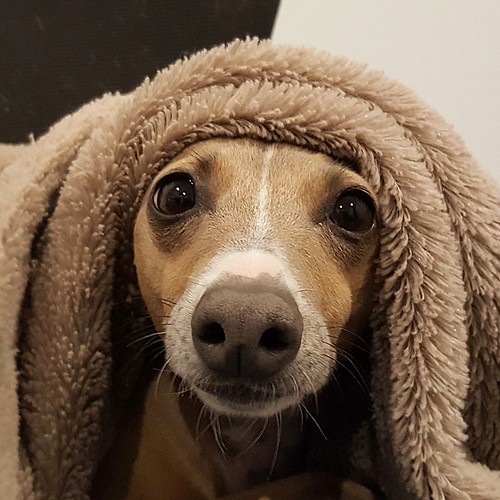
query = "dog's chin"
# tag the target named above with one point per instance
(251, 409)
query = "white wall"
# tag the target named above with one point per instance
(447, 51)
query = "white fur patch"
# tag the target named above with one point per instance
(251, 410)
(249, 264)
(262, 222)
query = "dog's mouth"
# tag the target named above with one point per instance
(246, 399)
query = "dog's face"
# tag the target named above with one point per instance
(255, 262)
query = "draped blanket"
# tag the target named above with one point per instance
(67, 208)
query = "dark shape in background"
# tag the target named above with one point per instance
(55, 55)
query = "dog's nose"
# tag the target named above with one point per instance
(250, 329)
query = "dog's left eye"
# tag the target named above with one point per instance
(174, 194)
(354, 211)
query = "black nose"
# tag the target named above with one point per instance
(247, 329)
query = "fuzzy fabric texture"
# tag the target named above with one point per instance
(68, 203)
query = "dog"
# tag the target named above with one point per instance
(255, 261)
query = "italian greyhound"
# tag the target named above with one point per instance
(255, 261)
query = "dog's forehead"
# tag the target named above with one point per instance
(244, 164)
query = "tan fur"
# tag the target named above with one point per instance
(185, 473)
(170, 457)
(163, 453)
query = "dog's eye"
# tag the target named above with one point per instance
(354, 211)
(174, 194)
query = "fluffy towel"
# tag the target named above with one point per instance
(68, 203)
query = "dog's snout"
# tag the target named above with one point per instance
(250, 329)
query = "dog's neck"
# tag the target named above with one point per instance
(249, 452)
(237, 453)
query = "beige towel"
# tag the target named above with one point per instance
(67, 207)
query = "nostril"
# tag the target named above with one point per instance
(212, 333)
(274, 339)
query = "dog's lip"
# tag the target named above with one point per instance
(243, 392)
(242, 400)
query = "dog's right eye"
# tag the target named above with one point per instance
(174, 194)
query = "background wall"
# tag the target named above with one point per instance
(447, 51)
(56, 55)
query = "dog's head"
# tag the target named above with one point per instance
(255, 262)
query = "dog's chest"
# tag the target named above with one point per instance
(249, 453)
(186, 450)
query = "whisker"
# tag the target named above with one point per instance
(358, 377)
(279, 423)
(182, 390)
(355, 345)
(198, 423)
(257, 438)
(141, 318)
(313, 390)
(359, 380)
(339, 385)
(351, 332)
(163, 368)
(182, 387)
(218, 438)
(248, 427)
(161, 352)
(217, 423)
(149, 344)
(316, 423)
(298, 397)
(167, 302)
(147, 336)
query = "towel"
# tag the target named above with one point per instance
(68, 203)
